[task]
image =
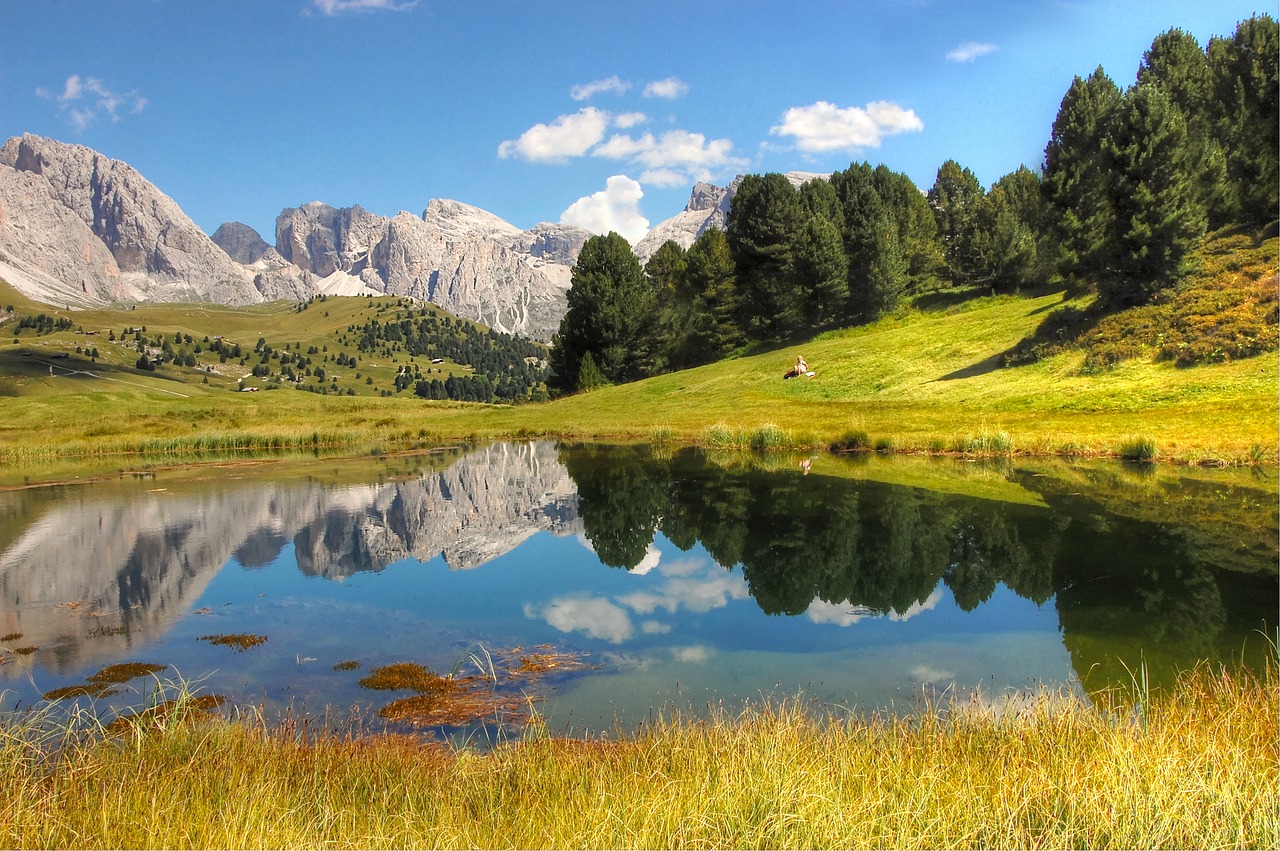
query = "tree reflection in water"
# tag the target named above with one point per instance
(1128, 590)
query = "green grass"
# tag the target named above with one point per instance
(926, 380)
(1193, 767)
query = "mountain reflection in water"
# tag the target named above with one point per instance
(1165, 569)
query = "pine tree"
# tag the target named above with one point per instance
(1246, 102)
(1076, 180)
(764, 218)
(918, 239)
(955, 198)
(822, 271)
(1179, 67)
(1159, 216)
(609, 314)
(713, 330)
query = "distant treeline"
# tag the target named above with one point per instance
(506, 368)
(1131, 182)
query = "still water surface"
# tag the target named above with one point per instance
(680, 578)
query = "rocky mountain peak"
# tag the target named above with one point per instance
(157, 252)
(242, 243)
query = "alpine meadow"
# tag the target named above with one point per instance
(989, 465)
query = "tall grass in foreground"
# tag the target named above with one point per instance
(1193, 768)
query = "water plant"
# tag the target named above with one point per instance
(240, 641)
(125, 671)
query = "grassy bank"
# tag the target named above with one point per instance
(930, 379)
(1194, 767)
(923, 381)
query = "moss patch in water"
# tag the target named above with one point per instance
(240, 641)
(549, 662)
(347, 665)
(26, 651)
(13, 636)
(407, 676)
(85, 690)
(452, 709)
(125, 671)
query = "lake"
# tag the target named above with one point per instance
(600, 585)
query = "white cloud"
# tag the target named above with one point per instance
(567, 136)
(668, 89)
(713, 590)
(826, 127)
(84, 100)
(698, 654)
(676, 152)
(931, 676)
(970, 51)
(612, 85)
(628, 120)
(342, 7)
(663, 178)
(847, 614)
(595, 617)
(614, 208)
(652, 556)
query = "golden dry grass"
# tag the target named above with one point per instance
(1192, 768)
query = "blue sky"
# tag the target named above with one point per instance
(599, 112)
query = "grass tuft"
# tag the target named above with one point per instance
(1137, 448)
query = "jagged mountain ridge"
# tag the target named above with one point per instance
(78, 229)
(125, 570)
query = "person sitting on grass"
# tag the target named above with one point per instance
(801, 368)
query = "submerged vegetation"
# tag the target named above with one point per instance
(239, 641)
(1192, 767)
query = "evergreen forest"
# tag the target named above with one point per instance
(1131, 183)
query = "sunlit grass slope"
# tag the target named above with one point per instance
(927, 379)
(1191, 768)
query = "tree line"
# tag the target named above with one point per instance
(1131, 181)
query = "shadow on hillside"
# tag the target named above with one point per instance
(32, 363)
(982, 367)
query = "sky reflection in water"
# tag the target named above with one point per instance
(684, 578)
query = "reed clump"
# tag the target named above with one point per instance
(1193, 766)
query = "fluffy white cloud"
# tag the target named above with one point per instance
(614, 208)
(84, 100)
(664, 178)
(592, 616)
(612, 85)
(342, 7)
(970, 51)
(676, 152)
(567, 136)
(698, 654)
(629, 119)
(652, 556)
(827, 127)
(847, 614)
(713, 590)
(668, 89)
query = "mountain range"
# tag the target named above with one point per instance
(80, 230)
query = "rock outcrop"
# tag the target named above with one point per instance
(464, 259)
(157, 253)
(708, 207)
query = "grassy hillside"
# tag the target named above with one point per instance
(929, 379)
